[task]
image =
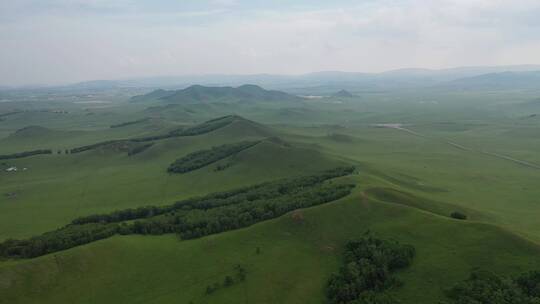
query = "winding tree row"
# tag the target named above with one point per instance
(199, 159)
(191, 218)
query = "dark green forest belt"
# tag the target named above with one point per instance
(191, 218)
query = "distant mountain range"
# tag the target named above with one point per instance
(199, 93)
(498, 81)
(326, 83)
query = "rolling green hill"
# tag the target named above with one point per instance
(198, 94)
(98, 180)
(297, 253)
(419, 157)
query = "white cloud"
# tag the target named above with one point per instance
(372, 36)
(226, 2)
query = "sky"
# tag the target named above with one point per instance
(67, 41)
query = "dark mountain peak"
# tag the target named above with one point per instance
(343, 93)
(199, 93)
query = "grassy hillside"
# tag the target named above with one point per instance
(105, 179)
(503, 191)
(203, 94)
(419, 155)
(297, 253)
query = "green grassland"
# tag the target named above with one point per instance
(103, 180)
(407, 186)
(297, 255)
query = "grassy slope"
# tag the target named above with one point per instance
(102, 180)
(296, 258)
(504, 192)
(58, 139)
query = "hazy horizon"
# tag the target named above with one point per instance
(72, 41)
(516, 67)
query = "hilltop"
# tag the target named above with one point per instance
(199, 93)
(343, 94)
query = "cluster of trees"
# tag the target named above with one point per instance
(200, 129)
(484, 287)
(191, 218)
(95, 146)
(61, 239)
(230, 210)
(10, 113)
(132, 147)
(138, 149)
(198, 223)
(222, 167)
(205, 127)
(128, 123)
(226, 118)
(239, 276)
(208, 126)
(199, 159)
(367, 271)
(458, 215)
(122, 215)
(25, 154)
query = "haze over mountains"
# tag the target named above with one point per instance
(328, 82)
(198, 93)
(503, 80)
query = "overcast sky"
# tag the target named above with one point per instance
(64, 41)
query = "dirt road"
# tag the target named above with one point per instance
(461, 147)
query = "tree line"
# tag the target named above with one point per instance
(367, 270)
(229, 280)
(261, 191)
(202, 158)
(10, 113)
(191, 218)
(96, 145)
(485, 287)
(200, 129)
(139, 148)
(203, 128)
(25, 154)
(128, 123)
